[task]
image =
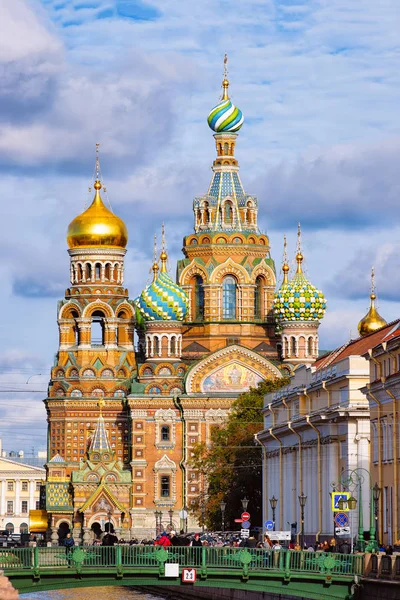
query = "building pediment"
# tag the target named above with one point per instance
(102, 500)
(233, 369)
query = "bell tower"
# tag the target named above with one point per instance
(95, 358)
(227, 273)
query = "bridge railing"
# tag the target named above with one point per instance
(206, 557)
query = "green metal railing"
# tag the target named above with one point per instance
(206, 558)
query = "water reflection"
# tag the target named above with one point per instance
(92, 593)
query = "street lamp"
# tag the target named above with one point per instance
(203, 515)
(171, 514)
(302, 501)
(273, 502)
(223, 507)
(376, 492)
(158, 516)
(244, 502)
(350, 504)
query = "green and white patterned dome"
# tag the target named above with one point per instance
(163, 299)
(298, 299)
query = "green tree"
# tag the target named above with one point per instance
(232, 463)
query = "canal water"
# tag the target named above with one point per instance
(92, 593)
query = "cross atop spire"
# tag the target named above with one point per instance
(225, 83)
(299, 256)
(163, 255)
(155, 267)
(373, 283)
(285, 266)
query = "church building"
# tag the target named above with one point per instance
(123, 418)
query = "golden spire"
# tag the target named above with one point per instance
(372, 320)
(225, 83)
(299, 256)
(163, 255)
(155, 266)
(285, 266)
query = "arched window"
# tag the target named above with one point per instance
(228, 212)
(258, 299)
(198, 298)
(226, 148)
(173, 345)
(229, 298)
(97, 330)
(88, 271)
(293, 346)
(310, 346)
(165, 433)
(98, 270)
(156, 344)
(24, 528)
(10, 528)
(107, 271)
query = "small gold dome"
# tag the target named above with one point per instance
(97, 226)
(372, 320)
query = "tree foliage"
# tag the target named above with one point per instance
(232, 463)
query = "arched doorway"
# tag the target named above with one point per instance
(97, 530)
(63, 529)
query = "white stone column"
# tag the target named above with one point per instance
(3, 497)
(32, 503)
(17, 509)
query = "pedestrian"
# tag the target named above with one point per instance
(69, 545)
(164, 540)
(196, 543)
(277, 546)
(345, 548)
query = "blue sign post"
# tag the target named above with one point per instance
(269, 525)
(245, 524)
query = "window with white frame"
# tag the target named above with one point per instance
(375, 442)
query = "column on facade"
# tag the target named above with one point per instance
(3, 496)
(17, 509)
(32, 503)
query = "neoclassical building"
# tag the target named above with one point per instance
(124, 417)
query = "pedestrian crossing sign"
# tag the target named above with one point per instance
(336, 496)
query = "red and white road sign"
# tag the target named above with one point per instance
(188, 575)
(245, 516)
(238, 520)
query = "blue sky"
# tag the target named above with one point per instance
(318, 83)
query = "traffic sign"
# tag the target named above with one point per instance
(342, 531)
(183, 514)
(244, 533)
(238, 520)
(246, 524)
(280, 535)
(336, 496)
(245, 516)
(341, 519)
(269, 525)
(188, 575)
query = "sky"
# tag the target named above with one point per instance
(318, 84)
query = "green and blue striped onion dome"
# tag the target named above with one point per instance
(162, 300)
(225, 117)
(299, 300)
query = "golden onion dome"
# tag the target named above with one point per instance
(372, 320)
(97, 226)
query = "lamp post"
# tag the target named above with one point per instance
(203, 515)
(302, 501)
(376, 491)
(273, 502)
(245, 503)
(353, 481)
(158, 516)
(351, 504)
(223, 507)
(171, 514)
